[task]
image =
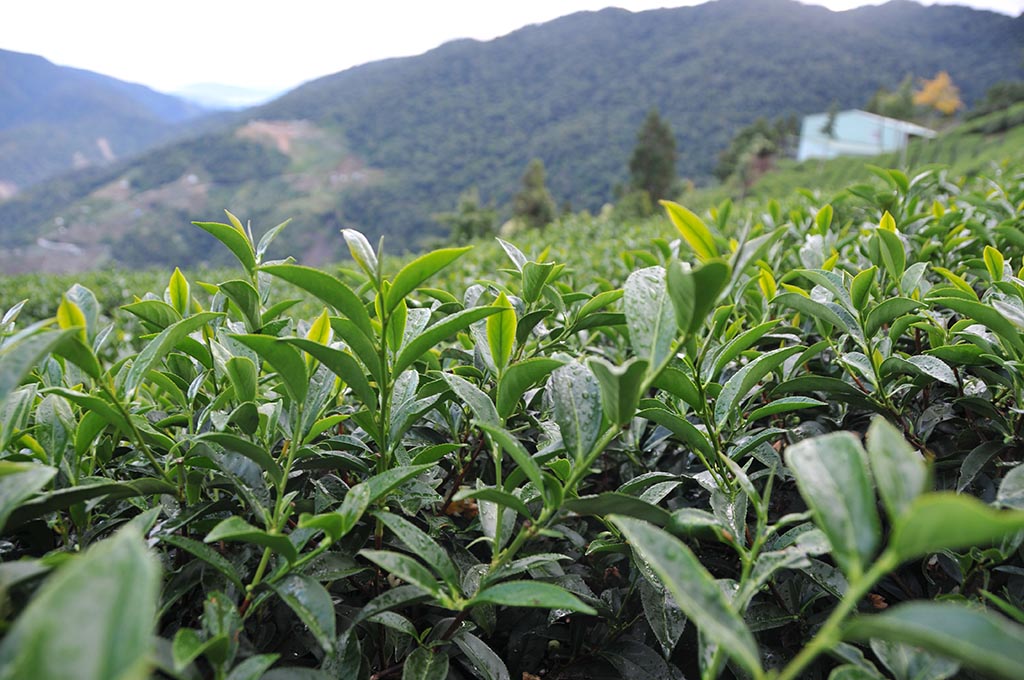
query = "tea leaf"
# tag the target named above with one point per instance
(693, 588)
(985, 642)
(532, 594)
(93, 619)
(832, 475)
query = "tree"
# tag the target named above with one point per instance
(533, 204)
(470, 220)
(898, 104)
(652, 167)
(940, 94)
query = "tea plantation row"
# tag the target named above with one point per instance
(783, 444)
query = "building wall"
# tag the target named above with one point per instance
(857, 133)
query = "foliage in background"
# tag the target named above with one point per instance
(533, 206)
(389, 144)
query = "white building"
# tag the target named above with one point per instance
(855, 133)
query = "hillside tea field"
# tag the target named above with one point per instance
(781, 443)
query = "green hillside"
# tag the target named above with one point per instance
(384, 146)
(54, 119)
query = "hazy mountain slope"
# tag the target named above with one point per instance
(54, 118)
(383, 146)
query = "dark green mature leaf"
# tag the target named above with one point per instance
(419, 543)
(663, 615)
(518, 378)
(978, 639)
(621, 387)
(312, 603)
(158, 347)
(328, 289)
(679, 384)
(343, 365)
(948, 521)
(418, 271)
(435, 333)
(683, 429)
(650, 317)
(482, 658)
(987, 316)
(405, 568)
(284, 359)
(93, 619)
(818, 310)
(693, 588)
(1011, 489)
(64, 498)
(532, 594)
(479, 403)
(247, 299)
(510, 445)
(244, 447)
(616, 503)
(235, 240)
(744, 380)
(576, 397)
(907, 662)
(832, 475)
(425, 664)
(18, 483)
(887, 311)
(206, 554)
(337, 524)
(899, 470)
(237, 529)
(381, 484)
(21, 356)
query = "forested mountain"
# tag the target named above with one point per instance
(384, 146)
(54, 119)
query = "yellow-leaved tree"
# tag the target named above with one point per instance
(940, 94)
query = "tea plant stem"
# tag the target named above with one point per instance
(829, 635)
(136, 435)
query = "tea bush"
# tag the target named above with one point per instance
(783, 445)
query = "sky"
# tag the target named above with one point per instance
(261, 45)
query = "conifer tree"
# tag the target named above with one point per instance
(652, 167)
(533, 204)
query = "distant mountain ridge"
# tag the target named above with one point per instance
(381, 147)
(54, 119)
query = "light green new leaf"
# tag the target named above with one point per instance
(343, 365)
(244, 447)
(501, 332)
(381, 484)
(985, 642)
(899, 470)
(694, 590)
(948, 521)
(244, 377)
(91, 620)
(1011, 489)
(312, 603)
(362, 252)
(832, 475)
(247, 299)
(338, 523)
(161, 345)
(692, 229)
(532, 594)
(418, 271)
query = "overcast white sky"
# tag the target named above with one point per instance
(253, 43)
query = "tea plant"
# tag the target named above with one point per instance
(462, 467)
